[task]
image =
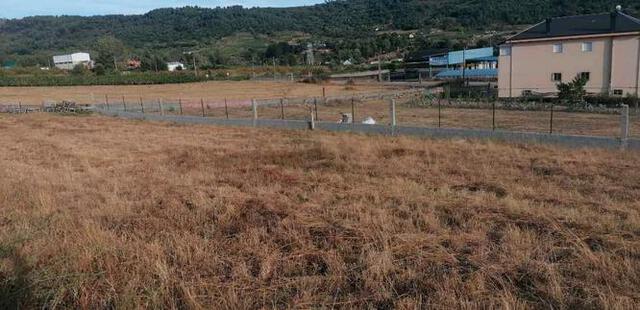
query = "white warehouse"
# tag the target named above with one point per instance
(68, 62)
(175, 66)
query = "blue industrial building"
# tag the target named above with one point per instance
(479, 63)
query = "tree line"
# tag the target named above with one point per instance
(352, 29)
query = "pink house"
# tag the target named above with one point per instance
(604, 48)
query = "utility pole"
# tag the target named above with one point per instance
(195, 66)
(274, 68)
(379, 69)
(464, 65)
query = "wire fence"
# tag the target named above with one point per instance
(476, 108)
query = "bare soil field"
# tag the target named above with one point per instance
(98, 212)
(214, 90)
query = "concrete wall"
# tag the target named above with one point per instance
(535, 62)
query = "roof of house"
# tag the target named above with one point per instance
(615, 22)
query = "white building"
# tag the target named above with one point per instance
(175, 66)
(68, 62)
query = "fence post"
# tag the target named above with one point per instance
(180, 104)
(202, 106)
(106, 101)
(226, 108)
(624, 126)
(282, 108)
(493, 118)
(315, 107)
(160, 105)
(141, 105)
(353, 111)
(124, 104)
(254, 107)
(19, 106)
(392, 108)
(312, 121)
(439, 112)
(551, 120)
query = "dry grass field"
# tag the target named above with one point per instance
(98, 212)
(214, 90)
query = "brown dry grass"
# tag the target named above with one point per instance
(214, 90)
(99, 212)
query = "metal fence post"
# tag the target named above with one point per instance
(551, 120)
(254, 107)
(226, 108)
(624, 126)
(106, 101)
(353, 111)
(439, 112)
(493, 118)
(141, 105)
(124, 104)
(180, 104)
(161, 106)
(19, 106)
(202, 106)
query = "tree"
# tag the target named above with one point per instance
(573, 92)
(99, 69)
(79, 69)
(109, 51)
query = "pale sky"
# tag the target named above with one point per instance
(22, 8)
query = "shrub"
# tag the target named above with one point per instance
(573, 92)
(99, 69)
(610, 101)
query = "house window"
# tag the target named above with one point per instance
(618, 92)
(505, 51)
(556, 77)
(587, 47)
(585, 75)
(557, 48)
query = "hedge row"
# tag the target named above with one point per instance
(611, 101)
(114, 79)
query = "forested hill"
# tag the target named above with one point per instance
(344, 19)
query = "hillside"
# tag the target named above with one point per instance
(170, 31)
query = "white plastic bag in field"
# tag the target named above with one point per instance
(369, 121)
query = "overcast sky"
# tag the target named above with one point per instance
(22, 8)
